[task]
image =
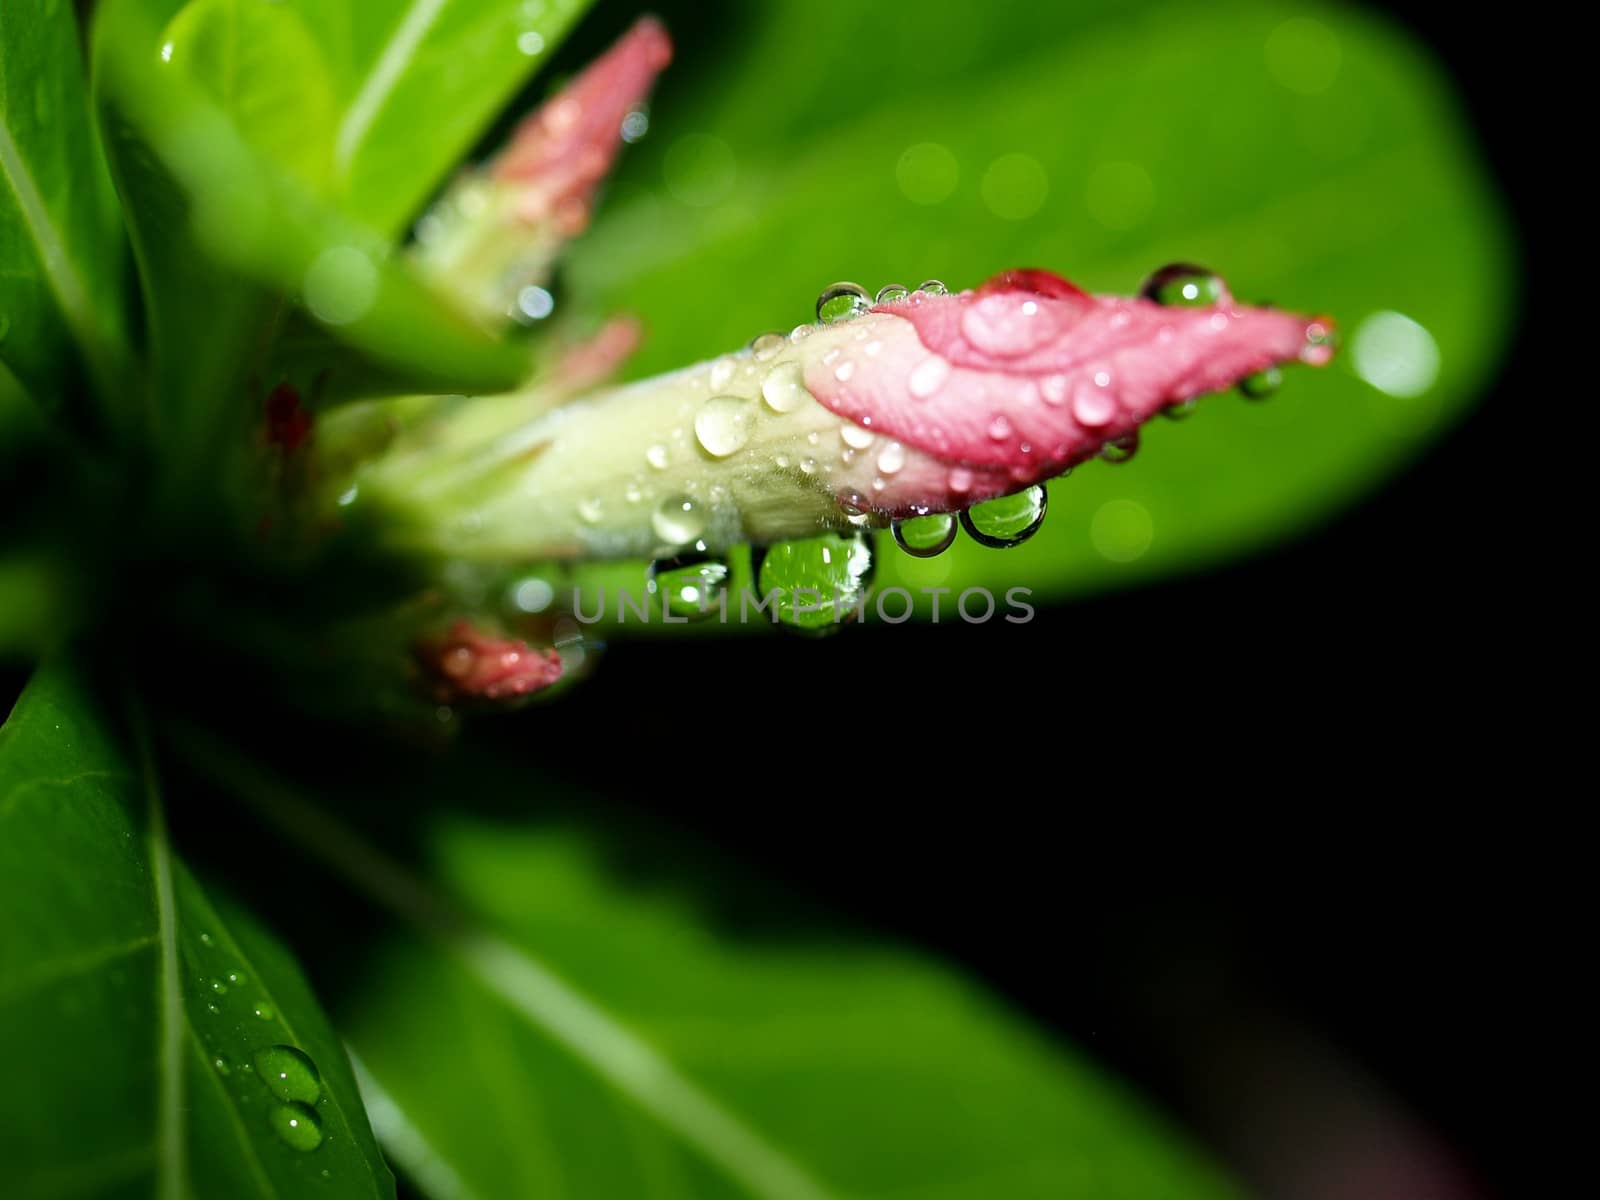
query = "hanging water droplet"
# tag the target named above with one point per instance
(1322, 342)
(767, 346)
(1184, 285)
(933, 287)
(658, 456)
(693, 584)
(926, 537)
(960, 480)
(297, 1126)
(1182, 410)
(723, 425)
(590, 510)
(1120, 450)
(821, 582)
(855, 437)
(892, 293)
(783, 389)
(1007, 520)
(1262, 385)
(289, 1074)
(677, 520)
(928, 377)
(842, 302)
(892, 460)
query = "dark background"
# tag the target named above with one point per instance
(1266, 842)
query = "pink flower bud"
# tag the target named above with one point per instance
(468, 664)
(1012, 383)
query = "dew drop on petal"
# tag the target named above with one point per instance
(960, 480)
(1007, 520)
(783, 390)
(933, 287)
(927, 536)
(842, 302)
(1120, 450)
(1262, 385)
(844, 371)
(677, 520)
(767, 347)
(856, 437)
(892, 293)
(928, 377)
(1185, 285)
(892, 459)
(1093, 407)
(658, 456)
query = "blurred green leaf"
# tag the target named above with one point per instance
(134, 1004)
(1328, 173)
(417, 82)
(542, 1024)
(61, 246)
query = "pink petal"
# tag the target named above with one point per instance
(1010, 384)
(559, 155)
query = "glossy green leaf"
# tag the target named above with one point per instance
(134, 1003)
(540, 1023)
(61, 246)
(1317, 159)
(417, 82)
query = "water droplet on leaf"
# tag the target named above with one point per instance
(297, 1126)
(289, 1074)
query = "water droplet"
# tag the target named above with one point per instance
(999, 428)
(289, 1074)
(263, 1010)
(856, 437)
(634, 126)
(213, 1008)
(808, 466)
(633, 493)
(1093, 407)
(1182, 410)
(844, 371)
(533, 303)
(223, 1067)
(928, 377)
(721, 373)
(1262, 385)
(783, 390)
(1007, 520)
(821, 581)
(801, 332)
(677, 520)
(205, 938)
(297, 1126)
(1184, 285)
(933, 287)
(590, 510)
(892, 293)
(238, 977)
(693, 584)
(1120, 450)
(926, 537)
(219, 987)
(842, 302)
(530, 43)
(960, 480)
(723, 425)
(531, 595)
(767, 346)
(1322, 341)
(892, 460)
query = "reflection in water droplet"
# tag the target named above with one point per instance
(1181, 410)
(723, 425)
(842, 302)
(892, 293)
(289, 1074)
(926, 537)
(297, 1126)
(677, 520)
(693, 585)
(783, 390)
(1262, 385)
(1120, 450)
(933, 287)
(1185, 285)
(1007, 520)
(821, 582)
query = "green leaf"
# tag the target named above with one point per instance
(1317, 159)
(417, 82)
(542, 1024)
(61, 247)
(134, 1003)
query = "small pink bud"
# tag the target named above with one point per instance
(468, 664)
